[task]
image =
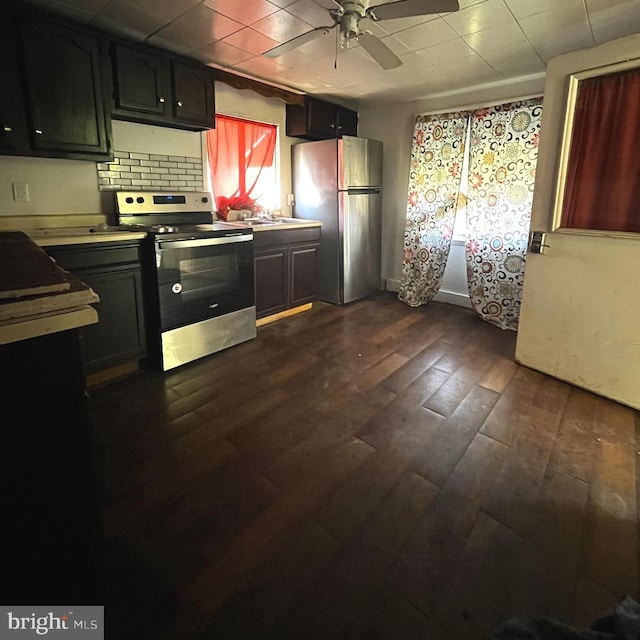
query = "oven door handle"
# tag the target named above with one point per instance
(203, 242)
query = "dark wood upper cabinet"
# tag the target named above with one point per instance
(64, 78)
(153, 86)
(13, 126)
(193, 87)
(320, 120)
(141, 81)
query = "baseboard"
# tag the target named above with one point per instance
(392, 285)
(450, 297)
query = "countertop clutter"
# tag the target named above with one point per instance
(36, 296)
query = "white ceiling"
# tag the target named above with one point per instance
(485, 42)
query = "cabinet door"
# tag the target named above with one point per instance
(142, 82)
(303, 274)
(346, 122)
(119, 334)
(321, 118)
(271, 278)
(193, 95)
(64, 75)
(13, 126)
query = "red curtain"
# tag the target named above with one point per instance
(603, 178)
(238, 150)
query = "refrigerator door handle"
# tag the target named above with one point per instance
(355, 191)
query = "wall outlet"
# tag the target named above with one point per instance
(290, 199)
(20, 192)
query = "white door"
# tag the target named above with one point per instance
(580, 317)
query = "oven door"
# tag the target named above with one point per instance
(201, 278)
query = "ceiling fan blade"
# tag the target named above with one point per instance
(298, 41)
(408, 8)
(379, 51)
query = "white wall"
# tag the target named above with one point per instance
(393, 124)
(69, 187)
(581, 300)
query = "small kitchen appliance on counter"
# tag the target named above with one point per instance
(198, 276)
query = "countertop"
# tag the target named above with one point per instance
(277, 223)
(82, 235)
(38, 297)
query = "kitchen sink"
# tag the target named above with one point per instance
(255, 221)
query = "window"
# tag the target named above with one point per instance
(242, 165)
(601, 177)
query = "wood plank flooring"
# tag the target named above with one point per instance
(365, 471)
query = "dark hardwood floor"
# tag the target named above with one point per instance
(368, 471)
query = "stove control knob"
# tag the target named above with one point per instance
(140, 199)
(205, 199)
(129, 200)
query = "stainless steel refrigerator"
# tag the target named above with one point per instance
(339, 183)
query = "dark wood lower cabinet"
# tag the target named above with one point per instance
(113, 271)
(286, 269)
(271, 281)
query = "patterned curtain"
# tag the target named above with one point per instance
(502, 165)
(434, 181)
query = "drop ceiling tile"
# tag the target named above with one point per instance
(524, 8)
(609, 24)
(426, 34)
(556, 32)
(400, 24)
(251, 41)
(169, 9)
(196, 28)
(445, 51)
(128, 19)
(479, 17)
(222, 53)
(311, 13)
(515, 60)
(260, 67)
(282, 3)
(465, 4)
(293, 59)
(246, 12)
(605, 5)
(281, 26)
(503, 35)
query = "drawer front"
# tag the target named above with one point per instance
(80, 257)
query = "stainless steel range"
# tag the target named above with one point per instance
(198, 275)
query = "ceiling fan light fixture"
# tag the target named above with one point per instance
(346, 16)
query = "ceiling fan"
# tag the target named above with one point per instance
(346, 15)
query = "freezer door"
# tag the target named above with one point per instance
(359, 162)
(361, 218)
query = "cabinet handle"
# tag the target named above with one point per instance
(161, 100)
(339, 126)
(179, 103)
(333, 126)
(39, 131)
(7, 129)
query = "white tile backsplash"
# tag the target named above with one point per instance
(150, 172)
